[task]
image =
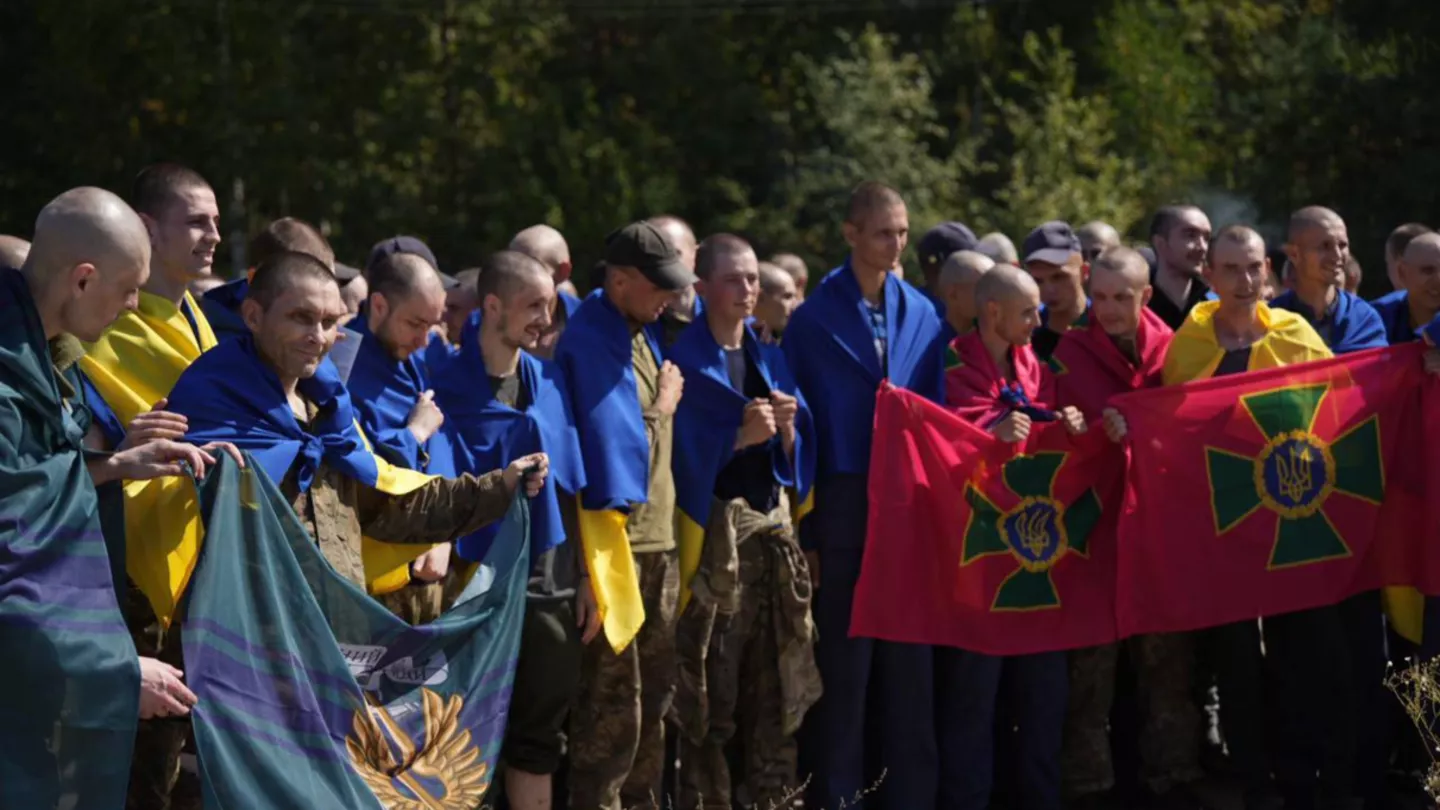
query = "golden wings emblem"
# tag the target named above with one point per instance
(448, 774)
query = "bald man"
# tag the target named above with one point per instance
(688, 306)
(68, 734)
(1395, 245)
(1096, 238)
(547, 246)
(862, 324)
(999, 248)
(1417, 301)
(1122, 350)
(779, 296)
(959, 274)
(13, 250)
(795, 266)
(1318, 247)
(503, 403)
(1231, 335)
(996, 355)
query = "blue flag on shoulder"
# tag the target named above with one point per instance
(312, 691)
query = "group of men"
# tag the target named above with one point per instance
(696, 441)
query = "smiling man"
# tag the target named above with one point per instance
(1179, 235)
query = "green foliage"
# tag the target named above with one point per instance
(462, 121)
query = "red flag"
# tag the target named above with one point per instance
(1089, 368)
(1262, 493)
(982, 545)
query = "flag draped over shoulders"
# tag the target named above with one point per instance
(139, 358)
(482, 434)
(384, 391)
(311, 691)
(979, 392)
(1195, 351)
(983, 545)
(70, 686)
(706, 424)
(595, 358)
(1090, 368)
(230, 395)
(830, 347)
(1351, 325)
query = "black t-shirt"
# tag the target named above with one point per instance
(1044, 340)
(1173, 314)
(553, 575)
(1235, 361)
(750, 474)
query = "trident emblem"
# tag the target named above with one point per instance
(1293, 471)
(1033, 526)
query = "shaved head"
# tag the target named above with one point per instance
(90, 256)
(1126, 263)
(1235, 235)
(718, 249)
(284, 271)
(1097, 237)
(1423, 249)
(680, 234)
(545, 245)
(290, 234)
(509, 272)
(1419, 272)
(794, 265)
(13, 251)
(869, 197)
(773, 278)
(1311, 216)
(964, 267)
(999, 248)
(401, 275)
(1003, 284)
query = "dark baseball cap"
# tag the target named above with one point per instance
(344, 273)
(1054, 242)
(646, 248)
(401, 244)
(940, 241)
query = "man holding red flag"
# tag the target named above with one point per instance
(1232, 335)
(1123, 349)
(1000, 385)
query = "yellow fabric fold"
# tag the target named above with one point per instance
(606, 544)
(139, 358)
(1195, 352)
(1405, 608)
(690, 540)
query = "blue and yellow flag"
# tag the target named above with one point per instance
(311, 694)
(706, 423)
(1195, 351)
(230, 395)
(384, 390)
(595, 358)
(482, 434)
(69, 690)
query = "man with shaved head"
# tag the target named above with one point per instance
(1122, 350)
(862, 324)
(1096, 238)
(779, 296)
(1318, 247)
(687, 307)
(1236, 333)
(222, 305)
(999, 248)
(1417, 301)
(13, 250)
(743, 438)
(547, 246)
(999, 385)
(795, 266)
(1179, 235)
(502, 403)
(67, 737)
(937, 245)
(959, 274)
(1395, 245)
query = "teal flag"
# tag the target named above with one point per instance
(69, 681)
(313, 695)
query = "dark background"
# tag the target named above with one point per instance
(462, 121)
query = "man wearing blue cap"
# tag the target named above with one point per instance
(1053, 257)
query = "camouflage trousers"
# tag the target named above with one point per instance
(744, 694)
(421, 602)
(617, 731)
(155, 766)
(1170, 722)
